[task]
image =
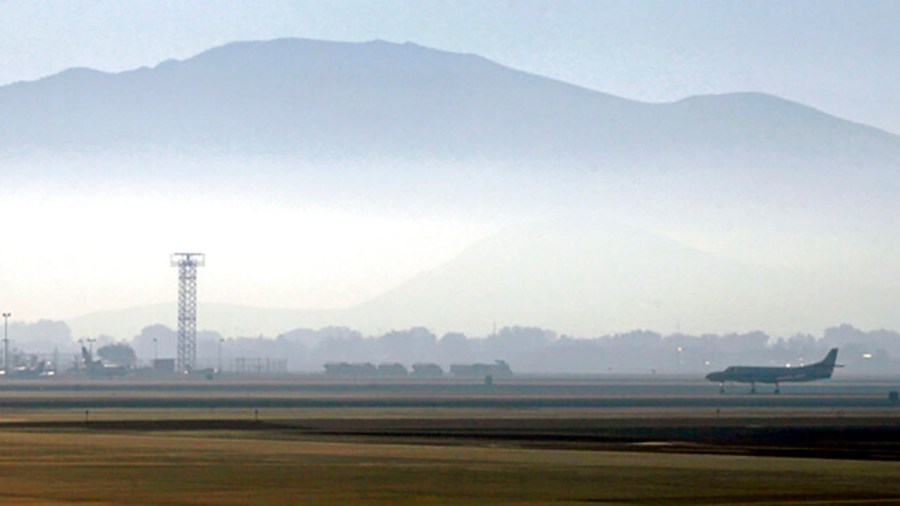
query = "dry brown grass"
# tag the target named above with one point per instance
(406, 455)
(245, 468)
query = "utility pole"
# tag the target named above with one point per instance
(187, 264)
(6, 343)
(221, 340)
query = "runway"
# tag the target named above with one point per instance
(851, 419)
(520, 393)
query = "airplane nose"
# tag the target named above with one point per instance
(713, 376)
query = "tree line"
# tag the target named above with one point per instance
(525, 349)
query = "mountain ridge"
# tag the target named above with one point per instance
(433, 136)
(293, 97)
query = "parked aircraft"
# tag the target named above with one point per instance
(38, 369)
(776, 375)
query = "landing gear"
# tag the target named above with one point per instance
(777, 389)
(752, 388)
(722, 388)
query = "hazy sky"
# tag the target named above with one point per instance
(840, 56)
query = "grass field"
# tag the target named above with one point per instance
(80, 467)
(504, 454)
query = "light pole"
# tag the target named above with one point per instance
(221, 340)
(6, 343)
(90, 341)
(155, 352)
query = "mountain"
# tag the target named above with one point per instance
(288, 161)
(595, 277)
(579, 277)
(365, 101)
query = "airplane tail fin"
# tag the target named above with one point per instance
(827, 364)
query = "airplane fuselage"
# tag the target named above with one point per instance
(776, 375)
(749, 374)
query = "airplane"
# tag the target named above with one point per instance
(776, 375)
(38, 369)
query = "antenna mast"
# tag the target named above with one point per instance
(187, 264)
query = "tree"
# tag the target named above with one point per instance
(118, 353)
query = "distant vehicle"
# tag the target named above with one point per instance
(775, 375)
(499, 369)
(366, 370)
(392, 371)
(426, 370)
(208, 372)
(344, 369)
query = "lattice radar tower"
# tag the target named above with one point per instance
(187, 264)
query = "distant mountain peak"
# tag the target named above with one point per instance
(374, 100)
